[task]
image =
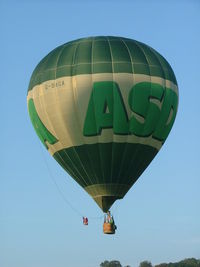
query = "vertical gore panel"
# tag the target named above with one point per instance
(101, 52)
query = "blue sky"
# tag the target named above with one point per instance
(159, 219)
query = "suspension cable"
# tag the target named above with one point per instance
(61, 192)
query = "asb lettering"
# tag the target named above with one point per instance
(153, 110)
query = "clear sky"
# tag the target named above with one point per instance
(159, 218)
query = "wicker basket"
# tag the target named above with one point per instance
(108, 228)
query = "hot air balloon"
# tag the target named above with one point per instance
(103, 107)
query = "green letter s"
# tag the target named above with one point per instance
(140, 98)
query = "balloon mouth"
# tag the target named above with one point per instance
(106, 194)
(105, 202)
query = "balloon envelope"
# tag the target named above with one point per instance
(103, 107)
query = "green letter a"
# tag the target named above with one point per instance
(41, 130)
(105, 110)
